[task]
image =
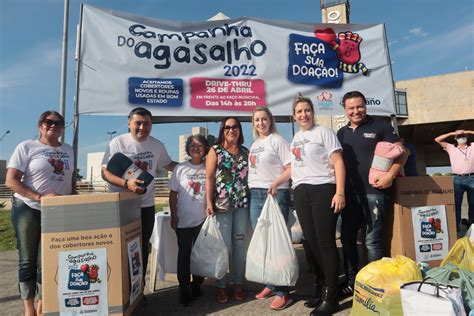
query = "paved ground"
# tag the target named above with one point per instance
(164, 301)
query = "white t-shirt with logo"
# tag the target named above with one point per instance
(46, 169)
(189, 181)
(147, 155)
(310, 156)
(267, 160)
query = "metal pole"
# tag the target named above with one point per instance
(75, 141)
(62, 95)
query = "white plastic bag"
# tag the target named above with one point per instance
(425, 298)
(271, 258)
(209, 257)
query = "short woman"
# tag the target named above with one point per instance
(37, 168)
(187, 204)
(227, 196)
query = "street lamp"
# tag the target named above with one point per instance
(111, 133)
(7, 132)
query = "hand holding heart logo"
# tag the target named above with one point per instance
(326, 35)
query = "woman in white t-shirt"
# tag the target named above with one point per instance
(37, 168)
(318, 175)
(269, 172)
(187, 204)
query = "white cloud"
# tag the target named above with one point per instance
(390, 43)
(418, 32)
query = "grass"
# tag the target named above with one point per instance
(7, 235)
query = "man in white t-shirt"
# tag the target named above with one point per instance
(147, 153)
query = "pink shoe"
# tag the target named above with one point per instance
(281, 302)
(265, 293)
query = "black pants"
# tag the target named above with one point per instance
(148, 221)
(318, 221)
(186, 238)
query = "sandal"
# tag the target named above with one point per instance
(222, 296)
(239, 293)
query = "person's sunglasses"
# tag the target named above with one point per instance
(50, 123)
(228, 127)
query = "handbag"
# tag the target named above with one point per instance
(210, 257)
(222, 204)
(271, 258)
(427, 298)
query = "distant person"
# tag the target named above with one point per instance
(461, 157)
(366, 205)
(188, 211)
(228, 198)
(269, 172)
(147, 153)
(318, 175)
(409, 169)
(37, 169)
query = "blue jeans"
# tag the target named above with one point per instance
(257, 200)
(368, 210)
(233, 227)
(464, 184)
(27, 225)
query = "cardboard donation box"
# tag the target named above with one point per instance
(91, 254)
(423, 223)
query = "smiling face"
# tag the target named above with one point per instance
(231, 131)
(261, 123)
(140, 127)
(304, 115)
(196, 151)
(356, 110)
(51, 127)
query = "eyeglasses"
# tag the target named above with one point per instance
(50, 123)
(197, 146)
(233, 127)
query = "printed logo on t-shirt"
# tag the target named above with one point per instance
(369, 135)
(59, 162)
(253, 161)
(253, 156)
(298, 151)
(144, 160)
(196, 183)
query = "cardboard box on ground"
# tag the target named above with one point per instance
(91, 254)
(422, 224)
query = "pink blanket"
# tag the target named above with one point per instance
(385, 154)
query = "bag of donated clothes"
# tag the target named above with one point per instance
(123, 167)
(377, 286)
(271, 258)
(384, 155)
(210, 257)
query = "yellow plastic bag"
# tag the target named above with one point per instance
(377, 286)
(461, 255)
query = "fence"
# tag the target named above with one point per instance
(161, 188)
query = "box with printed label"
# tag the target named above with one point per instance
(422, 225)
(91, 254)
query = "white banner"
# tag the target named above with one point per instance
(430, 232)
(82, 282)
(184, 71)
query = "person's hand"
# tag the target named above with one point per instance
(174, 221)
(338, 203)
(459, 132)
(134, 186)
(273, 190)
(210, 210)
(46, 195)
(383, 181)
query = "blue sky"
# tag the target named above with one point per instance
(426, 38)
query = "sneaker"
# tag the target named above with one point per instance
(346, 290)
(281, 302)
(239, 293)
(222, 296)
(265, 293)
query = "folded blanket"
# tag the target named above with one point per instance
(385, 154)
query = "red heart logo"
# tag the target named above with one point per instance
(326, 35)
